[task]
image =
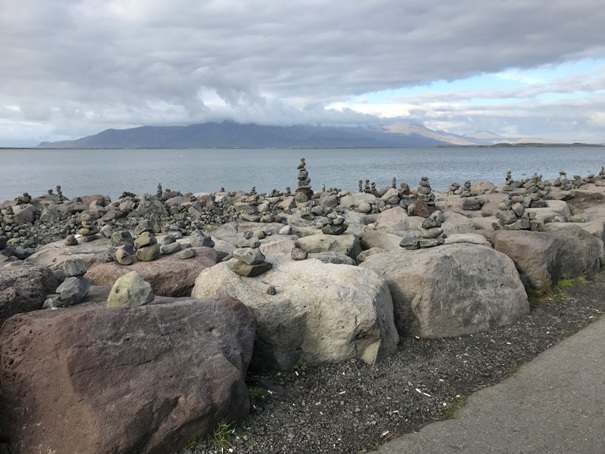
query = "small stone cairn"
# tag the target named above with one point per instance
(23, 199)
(304, 193)
(535, 191)
(124, 244)
(467, 191)
(8, 218)
(89, 231)
(563, 182)
(59, 194)
(513, 215)
(74, 287)
(429, 234)
(509, 183)
(454, 189)
(249, 260)
(425, 193)
(336, 224)
(146, 244)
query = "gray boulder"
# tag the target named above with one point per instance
(73, 290)
(73, 268)
(453, 290)
(130, 290)
(90, 380)
(543, 258)
(23, 289)
(346, 244)
(320, 313)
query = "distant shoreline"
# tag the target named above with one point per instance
(496, 145)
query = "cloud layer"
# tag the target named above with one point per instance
(74, 67)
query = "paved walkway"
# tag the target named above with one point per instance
(553, 404)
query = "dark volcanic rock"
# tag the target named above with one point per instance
(146, 380)
(23, 288)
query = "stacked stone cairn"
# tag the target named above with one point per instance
(170, 245)
(249, 207)
(124, 244)
(74, 287)
(513, 215)
(535, 191)
(8, 220)
(59, 194)
(429, 234)
(510, 184)
(425, 193)
(454, 189)
(336, 224)
(249, 260)
(146, 244)
(89, 231)
(563, 182)
(304, 193)
(467, 191)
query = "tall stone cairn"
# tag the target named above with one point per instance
(303, 192)
(425, 192)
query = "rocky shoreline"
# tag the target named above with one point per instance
(357, 285)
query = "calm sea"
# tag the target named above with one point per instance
(110, 172)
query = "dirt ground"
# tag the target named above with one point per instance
(353, 407)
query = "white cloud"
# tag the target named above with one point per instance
(79, 66)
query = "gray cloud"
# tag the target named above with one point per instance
(73, 67)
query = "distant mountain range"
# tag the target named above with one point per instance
(228, 134)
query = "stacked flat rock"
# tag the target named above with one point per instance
(535, 191)
(303, 192)
(429, 233)
(466, 190)
(249, 260)
(74, 287)
(454, 189)
(8, 218)
(577, 181)
(510, 184)
(336, 225)
(59, 194)
(513, 215)
(170, 245)
(146, 244)
(249, 207)
(563, 182)
(425, 192)
(23, 199)
(89, 230)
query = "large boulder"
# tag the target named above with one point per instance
(393, 221)
(451, 290)
(168, 276)
(54, 254)
(146, 379)
(24, 288)
(346, 244)
(543, 258)
(372, 238)
(309, 311)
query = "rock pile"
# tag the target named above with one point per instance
(74, 287)
(336, 225)
(90, 229)
(146, 244)
(249, 260)
(563, 182)
(466, 190)
(535, 191)
(429, 234)
(454, 189)
(513, 215)
(304, 193)
(425, 193)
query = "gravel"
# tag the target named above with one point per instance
(352, 407)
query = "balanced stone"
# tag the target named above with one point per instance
(123, 257)
(243, 269)
(145, 239)
(148, 253)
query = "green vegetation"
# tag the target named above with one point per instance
(256, 394)
(219, 439)
(556, 293)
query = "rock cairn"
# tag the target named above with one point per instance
(466, 190)
(59, 194)
(535, 191)
(425, 193)
(249, 260)
(336, 224)
(124, 244)
(454, 189)
(429, 234)
(8, 219)
(146, 244)
(89, 231)
(513, 215)
(304, 193)
(563, 182)
(74, 287)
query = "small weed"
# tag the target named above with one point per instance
(219, 438)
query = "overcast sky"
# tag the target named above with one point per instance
(70, 68)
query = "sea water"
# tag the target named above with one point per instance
(111, 172)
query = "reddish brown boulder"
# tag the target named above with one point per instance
(168, 276)
(147, 379)
(23, 289)
(88, 199)
(423, 209)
